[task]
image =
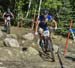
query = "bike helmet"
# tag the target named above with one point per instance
(44, 11)
(8, 10)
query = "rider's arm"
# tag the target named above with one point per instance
(12, 15)
(55, 23)
(36, 27)
(3, 15)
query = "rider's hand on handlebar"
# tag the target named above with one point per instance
(55, 28)
(36, 33)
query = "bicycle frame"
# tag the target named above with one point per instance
(47, 46)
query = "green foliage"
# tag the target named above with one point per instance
(18, 9)
(52, 4)
(63, 10)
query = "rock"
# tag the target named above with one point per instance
(11, 42)
(33, 44)
(23, 41)
(32, 55)
(28, 36)
(10, 54)
(31, 51)
(1, 34)
(1, 43)
(11, 36)
(73, 57)
(38, 41)
(26, 43)
(3, 67)
(55, 48)
(1, 63)
(54, 36)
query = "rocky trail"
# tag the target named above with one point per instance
(21, 50)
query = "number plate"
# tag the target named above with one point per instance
(46, 33)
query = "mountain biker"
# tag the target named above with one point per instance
(8, 15)
(42, 25)
(42, 21)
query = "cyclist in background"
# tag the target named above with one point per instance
(7, 15)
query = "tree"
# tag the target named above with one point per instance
(19, 12)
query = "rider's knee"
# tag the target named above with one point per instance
(40, 30)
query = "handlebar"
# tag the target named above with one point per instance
(51, 28)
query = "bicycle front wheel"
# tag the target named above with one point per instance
(8, 28)
(50, 48)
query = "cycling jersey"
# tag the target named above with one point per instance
(49, 17)
(42, 23)
(7, 14)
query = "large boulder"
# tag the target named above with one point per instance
(16, 54)
(10, 54)
(54, 36)
(1, 43)
(11, 42)
(31, 51)
(1, 34)
(28, 36)
(55, 48)
(12, 36)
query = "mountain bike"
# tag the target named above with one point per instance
(46, 43)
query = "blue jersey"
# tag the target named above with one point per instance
(49, 17)
(44, 25)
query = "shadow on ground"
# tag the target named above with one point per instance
(70, 58)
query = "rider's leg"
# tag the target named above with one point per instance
(51, 43)
(40, 36)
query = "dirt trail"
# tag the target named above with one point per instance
(68, 62)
